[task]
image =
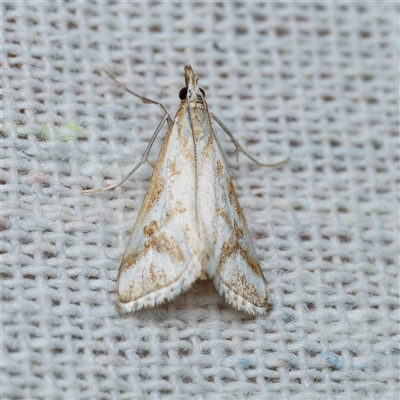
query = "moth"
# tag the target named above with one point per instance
(190, 225)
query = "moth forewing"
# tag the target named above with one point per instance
(190, 225)
(162, 257)
(234, 268)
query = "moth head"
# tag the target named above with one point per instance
(191, 89)
(184, 90)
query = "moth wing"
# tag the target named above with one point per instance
(238, 277)
(235, 268)
(162, 258)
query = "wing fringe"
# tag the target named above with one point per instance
(166, 293)
(236, 300)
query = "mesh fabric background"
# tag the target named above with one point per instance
(318, 81)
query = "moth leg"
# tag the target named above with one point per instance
(143, 160)
(145, 100)
(239, 148)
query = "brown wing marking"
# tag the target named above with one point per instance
(239, 284)
(219, 169)
(233, 245)
(158, 241)
(234, 200)
(152, 197)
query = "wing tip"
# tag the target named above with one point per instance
(239, 302)
(161, 296)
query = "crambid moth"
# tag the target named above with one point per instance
(190, 225)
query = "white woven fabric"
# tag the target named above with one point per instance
(316, 80)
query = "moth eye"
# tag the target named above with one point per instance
(183, 93)
(203, 92)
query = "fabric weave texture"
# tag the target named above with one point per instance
(316, 81)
